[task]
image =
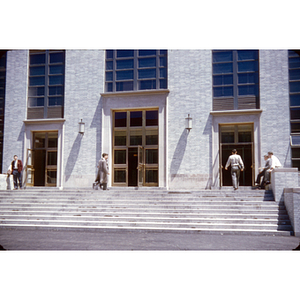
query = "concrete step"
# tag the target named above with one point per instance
(231, 211)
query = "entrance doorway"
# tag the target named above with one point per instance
(135, 148)
(239, 137)
(42, 159)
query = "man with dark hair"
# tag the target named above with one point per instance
(237, 165)
(102, 173)
(16, 168)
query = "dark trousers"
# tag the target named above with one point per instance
(17, 177)
(259, 176)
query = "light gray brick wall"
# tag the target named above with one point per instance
(15, 105)
(274, 100)
(190, 85)
(84, 81)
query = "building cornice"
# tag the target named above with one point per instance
(44, 121)
(236, 112)
(136, 93)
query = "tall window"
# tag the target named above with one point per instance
(130, 70)
(235, 79)
(294, 83)
(2, 101)
(46, 84)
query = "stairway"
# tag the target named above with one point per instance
(244, 211)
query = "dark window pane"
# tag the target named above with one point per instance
(222, 68)
(294, 62)
(109, 65)
(147, 73)
(36, 102)
(109, 76)
(223, 56)
(120, 138)
(295, 100)
(37, 71)
(39, 140)
(292, 53)
(296, 164)
(57, 69)
(248, 90)
(151, 156)
(120, 119)
(247, 54)
(295, 127)
(125, 53)
(51, 176)
(109, 53)
(37, 59)
(36, 91)
(136, 118)
(52, 140)
(147, 52)
(248, 78)
(295, 113)
(147, 62)
(295, 152)
(52, 158)
(124, 86)
(136, 140)
(163, 52)
(55, 101)
(294, 87)
(123, 75)
(147, 84)
(125, 64)
(163, 61)
(163, 84)
(109, 87)
(151, 176)
(294, 74)
(56, 57)
(244, 137)
(248, 66)
(225, 91)
(152, 139)
(120, 157)
(223, 80)
(59, 79)
(55, 90)
(152, 118)
(227, 137)
(163, 72)
(120, 176)
(37, 80)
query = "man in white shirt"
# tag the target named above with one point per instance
(237, 165)
(275, 163)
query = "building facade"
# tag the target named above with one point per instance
(134, 105)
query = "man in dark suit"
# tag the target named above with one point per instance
(16, 168)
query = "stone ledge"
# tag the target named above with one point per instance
(290, 170)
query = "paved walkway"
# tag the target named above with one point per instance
(32, 239)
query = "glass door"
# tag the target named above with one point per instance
(141, 166)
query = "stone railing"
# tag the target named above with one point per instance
(292, 205)
(6, 183)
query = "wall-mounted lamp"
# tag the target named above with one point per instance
(188, 123)
(81, 127)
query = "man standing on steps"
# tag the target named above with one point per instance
(237, 165)
(16, 168)
(102, 171)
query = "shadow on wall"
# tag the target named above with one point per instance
(178, 154)
(97, 123)
(73, 156)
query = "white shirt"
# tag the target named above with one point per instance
(275, 163)
(234, 160)
(16, 164)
